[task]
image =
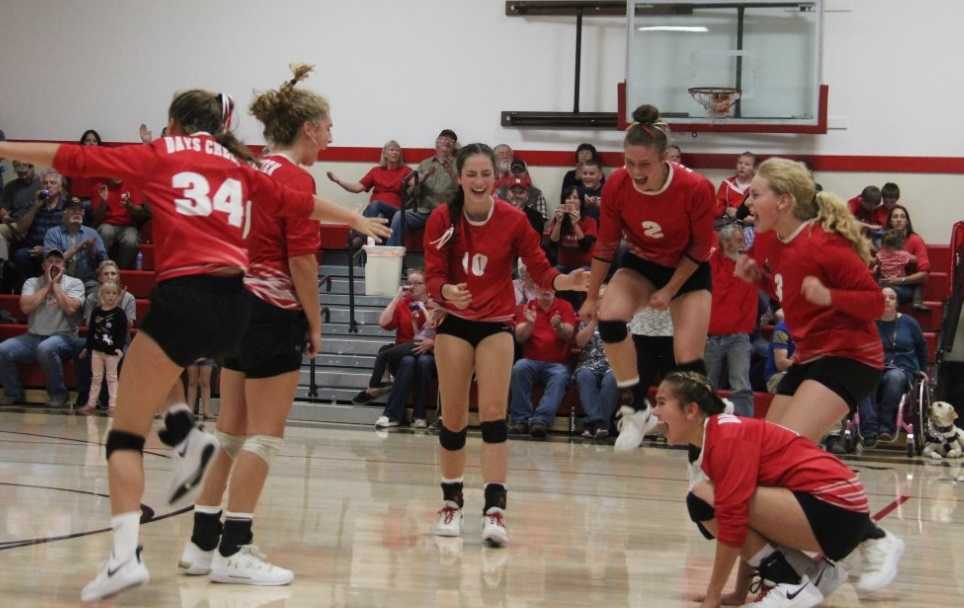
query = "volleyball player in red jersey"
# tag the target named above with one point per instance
(810, 253)
(199, 185)
(666, 213)
(258, 383)
(471, 245)
(766, 493)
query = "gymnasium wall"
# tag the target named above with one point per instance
(405, 69)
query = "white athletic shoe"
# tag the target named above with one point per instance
(494, 533)
(384, 422)
(114, 578)
(420, 423)
(633, 426)
(449, 520)
(880, 559)
(191, 459)
(248, 567)
(784, 595)
(195, 561)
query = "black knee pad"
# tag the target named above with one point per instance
(696, 365)
(494, 431)
(452, 441)
(612, 332)
(121, 440)
(700, 511)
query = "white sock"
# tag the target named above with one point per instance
(627, 383)
(761, 555)
(233, 515)
(208, 510)
(126, 527)
(178, 406)
(456, 480)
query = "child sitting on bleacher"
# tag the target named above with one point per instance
(893, 266)
(106, 338)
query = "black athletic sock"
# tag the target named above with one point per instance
(177, 424)
(697, 365)
(776, 569)
(874, 532)
(495, 496)
(628, 397)
(237, 533)
(207, 530)
(452, 492)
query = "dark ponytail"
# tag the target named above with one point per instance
(691, 387)
(199, 110)
(458, 199)
(647, 129)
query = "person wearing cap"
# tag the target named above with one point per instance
(518, 194)
(82, 245)
(534, 197)
(45, 212)
(18, 197)
(438, 184)
(52, 302)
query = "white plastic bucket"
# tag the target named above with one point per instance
(383, 270)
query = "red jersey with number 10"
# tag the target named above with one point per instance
(482, 255)
(846, 328)
(199, 194)
(662, 226)
(741, 454)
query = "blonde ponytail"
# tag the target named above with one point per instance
(834, 215)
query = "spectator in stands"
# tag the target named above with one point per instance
(411, 358)
(51, 302)
(545, 328)
(82, 246)
(385, 181)
(732, 319)
(117, 212)
(199, 376)
(85, 188)
(894, 265)
(18, 198)
(905, 354)
(518, 194)
(779, 356)
(571, 233)
(591, 180)
(106, 341)
(107, 272)
(438, 184)
(598, 393)
(899, 221)
(673, 154)
(46, 212)
(534, 199)
(525, 287)
(503, 166)
(91, 138)
(733, 190)
(868, 210)
(890, 196)
(584, 152)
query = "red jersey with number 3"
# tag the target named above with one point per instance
(483, 255)
(740, 455)
(846, 328)
(662, 226)
(199, 195)
(273, 240)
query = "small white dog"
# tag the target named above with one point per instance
(944, 439)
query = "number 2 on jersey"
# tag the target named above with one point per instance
(229, 198)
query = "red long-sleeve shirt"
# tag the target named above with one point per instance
(735, 301)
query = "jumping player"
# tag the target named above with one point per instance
(198, 183)
(666, 212)
(471, 245)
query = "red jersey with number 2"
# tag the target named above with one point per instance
(200, 197)
(846, 328)
(662, 226)
(482, 255)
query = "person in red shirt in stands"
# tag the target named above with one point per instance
(198, 183)
(866, 207)
(545, 327)
(384, 181)
(471, 246)
(733, 190)
(116, 211)
(811, 255)
(911, 287)
(766, 494)
(666, 213)
(732, 320)
(571, 234)
(86, 187)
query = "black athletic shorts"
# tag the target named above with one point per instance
(274, 342)
(838, 530)
(659, 276)
(197, 317)
(850, 379)
(472, 332)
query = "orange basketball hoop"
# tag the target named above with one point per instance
(717, 101)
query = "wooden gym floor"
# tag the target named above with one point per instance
(350, 511)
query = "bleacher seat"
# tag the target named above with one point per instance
(334, 236)
(148, 262)
(138, 282)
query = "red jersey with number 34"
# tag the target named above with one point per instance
(662, 226)
(482, 255)
(199, 196)
(846, 328)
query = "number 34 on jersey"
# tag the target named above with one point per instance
(197, 201)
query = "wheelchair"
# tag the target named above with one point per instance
(911, 420)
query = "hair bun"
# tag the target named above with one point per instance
(646, 114)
